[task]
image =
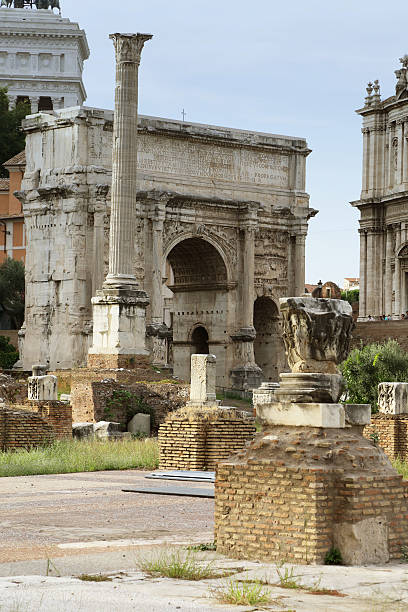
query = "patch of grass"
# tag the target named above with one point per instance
(69, 456)
(242, 593)
(401, 467)
(94, 578)
(287, 578)
(203, 547)
(178, 564)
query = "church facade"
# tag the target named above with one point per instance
(222, 218)
(383, 202)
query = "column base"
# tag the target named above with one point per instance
(117, 362)
(119, 328)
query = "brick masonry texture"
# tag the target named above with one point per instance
(56, 414)
(91, 391)
(281, 498)
(23, 429)
(392, 433)
(380, 331)
(198, 440)
(107, 362)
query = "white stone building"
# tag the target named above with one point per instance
(383, 203)
(41, 57)
(222, 217)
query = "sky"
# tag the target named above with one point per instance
(298, 68)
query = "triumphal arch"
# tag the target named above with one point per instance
(221, 225)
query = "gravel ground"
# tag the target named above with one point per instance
(39, 515)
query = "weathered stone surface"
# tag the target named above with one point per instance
(107, 429)
(140, 424)
(358, 414)
(265, 394)
(302, 415)
(43, 388)
(202, 191)
(203, 381)
(82, 430)
(393, 398)
(317, 333)
(363, 543)
(303, 387)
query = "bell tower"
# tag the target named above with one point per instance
(42, 55)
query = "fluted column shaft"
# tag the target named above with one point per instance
(363, 274)
(389, 256)
(128, 49)
(249, 277)
(157, 274)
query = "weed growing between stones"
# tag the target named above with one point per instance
(333, 557)
(69, 456)
(94, 578)
(242, 593)
(178, 564)
(203, 547)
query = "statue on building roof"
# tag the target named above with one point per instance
(39, 4)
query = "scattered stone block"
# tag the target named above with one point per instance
(140, 424)
(64, 397)
(42, 388)
(265, 394)
(83, 430)
(107, 429)
(393, 398)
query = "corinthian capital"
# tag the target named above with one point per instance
(128, 47)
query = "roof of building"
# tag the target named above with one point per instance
(4, 184)
(17, 160)
(310, 288)
(356, 280)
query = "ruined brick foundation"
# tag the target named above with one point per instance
(296, 492)
(199, 439)
(23, 429)
(57, 415)
(390, 431)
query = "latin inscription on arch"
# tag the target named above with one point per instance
(198, 160)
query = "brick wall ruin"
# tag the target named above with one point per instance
(390, 431)
(23, 429)
(91, 394)
(56, 414)
(199, 440)
(296, 492)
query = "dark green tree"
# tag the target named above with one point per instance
(12, 290)
(12, 139)
(351, 296)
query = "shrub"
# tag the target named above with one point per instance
(8, 354)
(130, 402)
(370, 365)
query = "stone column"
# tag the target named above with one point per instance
(363, 275)
(35, 100)
(389, 256)
(119, 309)
(157, 273)
(157, 332)
(299, 265)
(246, 374)
(366, 155)
(370, 299)
(128, 49)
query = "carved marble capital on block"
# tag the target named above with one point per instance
(128, 47)
(317, 335)
(316, 332)
(393, 398)
(203, 382)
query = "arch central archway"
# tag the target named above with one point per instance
(198, 280)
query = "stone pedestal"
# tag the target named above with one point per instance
(119, 336)
(310, 481)
(42, 387)
(203, 382)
